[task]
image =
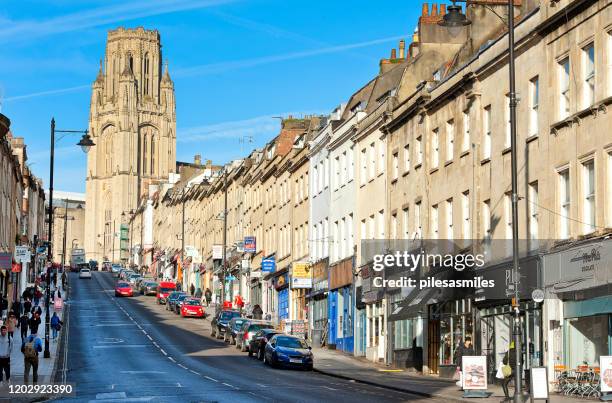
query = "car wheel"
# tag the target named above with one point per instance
(212, 333)
(260, 355)
(308, 367)
(265, 360)
(250, 352)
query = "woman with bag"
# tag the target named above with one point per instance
(56, 325)
(508, 369)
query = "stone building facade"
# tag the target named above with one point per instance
(133, 123)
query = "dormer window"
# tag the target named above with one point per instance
(386, 95)
(359, 107)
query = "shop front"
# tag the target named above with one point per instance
(341, 305)
(578, 283)
(280, 284)
(317, 301)
(373, 318)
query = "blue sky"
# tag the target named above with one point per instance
(235, 63)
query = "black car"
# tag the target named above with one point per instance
(172, 298)
(247, 332)
(234, 327)
(148, 288)
(220, 322)
(257, 344)
(176, 305)
(288, 351)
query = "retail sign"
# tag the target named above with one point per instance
(22, 254)
(16, 268)
(474, 372)
(256, 274)
(301, 283)
(301, 275)
(240, 246)
(605, 364)
(268, 265)
(539, 383)
(246, 264)
(217, 252)
(6, 260)
(250, 244)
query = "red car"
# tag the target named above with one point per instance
(164, 288)
(123, 289)
(192, 307)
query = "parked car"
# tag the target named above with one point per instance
(248, 330)
(257, 345)
(288, 351)
(192, 307)
(123, 289)
(172, 298)
(133, 280)
(148, 288)
(125, 274)
(164, 289)
(85, 273)
(114, 268)
(176, 305)
(220, 322)
(233, 328)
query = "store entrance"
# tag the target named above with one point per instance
(433, 347)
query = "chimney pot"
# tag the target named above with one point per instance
(425, 10)
(197, 159)
(393, 54)
(402, 48)
(442, 9)
(434, 9)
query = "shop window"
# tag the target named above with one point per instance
(588, 339)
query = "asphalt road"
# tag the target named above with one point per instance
(131, 349)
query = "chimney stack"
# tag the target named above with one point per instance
(402, 48)
(393, 54)
(197, 159)
(442, 9)
(425, 10)
(434, 10)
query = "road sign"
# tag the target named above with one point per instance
(268, 265)
(22, 254)
(249, 244)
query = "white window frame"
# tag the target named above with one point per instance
(589, 192)
(394, 226)
(381, 224)
(372, 162)
(407, 158)
(395, 167)
(418, 152)
(449, 219)
(465, 143)
(405, 224)
(565, 203)
(589, 74)
(486, 226)
(435, 148)
(435, 222)
(364, 166)
(465, 215)
(381, 156)
(564, 67)
(508, 135)
(486, 132)
(450, 140)
(533, 212)
(534, 104)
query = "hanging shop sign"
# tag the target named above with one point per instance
(22, 254)
(217, 252)
(268, 265)
(249, 244)
(301, 275)
(6, 260)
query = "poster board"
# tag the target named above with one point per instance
(539, 383)
(605, 366)
(474, 372)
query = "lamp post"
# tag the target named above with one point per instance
(85, 143)
(66, 218)
(455, 19)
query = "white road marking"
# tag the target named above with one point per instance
(182, 366)
(327, 387)
(171, 359)
(141, 372)
(150, 338)
(155, 344)
(163, 351)
(211, 379)
(229, 386)
(121, 346)
(194, 372)
(112, 395)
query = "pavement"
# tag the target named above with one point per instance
(131, 349)
(46, 366)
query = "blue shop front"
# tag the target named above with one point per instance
(341, 305)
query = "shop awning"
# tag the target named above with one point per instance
(413, 307)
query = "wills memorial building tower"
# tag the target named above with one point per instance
(133, 123)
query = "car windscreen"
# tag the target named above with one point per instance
(258, 326)
(290, 342)
(228, 315)
(165, 290)
(192, 302)
(182, 297)
(122, 285)
(152, 285)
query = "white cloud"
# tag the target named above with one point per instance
(49, 92)
(23, 30)
(257, 126)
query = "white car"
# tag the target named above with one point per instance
(85, 273)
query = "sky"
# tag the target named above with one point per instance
(237, 65)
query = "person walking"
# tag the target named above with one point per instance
(208, 296)
(192, 290)
(16, 308)
(30, 349)
(27, 306)
(6, 344)
(64, 280)
(463, 350)
(3, 306)
(509, 360)
(11, 324)
(23, 326)
(56, 325)
(37, 296)
(34, 323)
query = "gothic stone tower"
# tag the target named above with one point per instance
(133, 123)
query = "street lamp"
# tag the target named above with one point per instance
(85, 143)
(454, 20)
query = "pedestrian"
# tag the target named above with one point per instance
(257, 312)
(239, 302)
(192, 290)
(11, 324)
(27, 306)
(16, 308)
(30, 349)
(23, 326)
(64, 279)
(37, 296)
(56, 325)
(198, 293)
(509, 373)
(208, 296)
(3, 306)
(6, 345)
(462, 350)
(34, 323)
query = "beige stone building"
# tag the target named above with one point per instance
(133, 123)
(69, 223)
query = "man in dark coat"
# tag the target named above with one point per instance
(463, 350)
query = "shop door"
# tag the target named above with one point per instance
(347, 324)
(487, 341)
(433, 346)
(333, 317)
(283, 304)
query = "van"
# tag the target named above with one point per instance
(163, 290)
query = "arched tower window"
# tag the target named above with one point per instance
(131, 61)
(152, 155)
(144, 154)
(147, 69)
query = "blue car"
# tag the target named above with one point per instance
(288, 351)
